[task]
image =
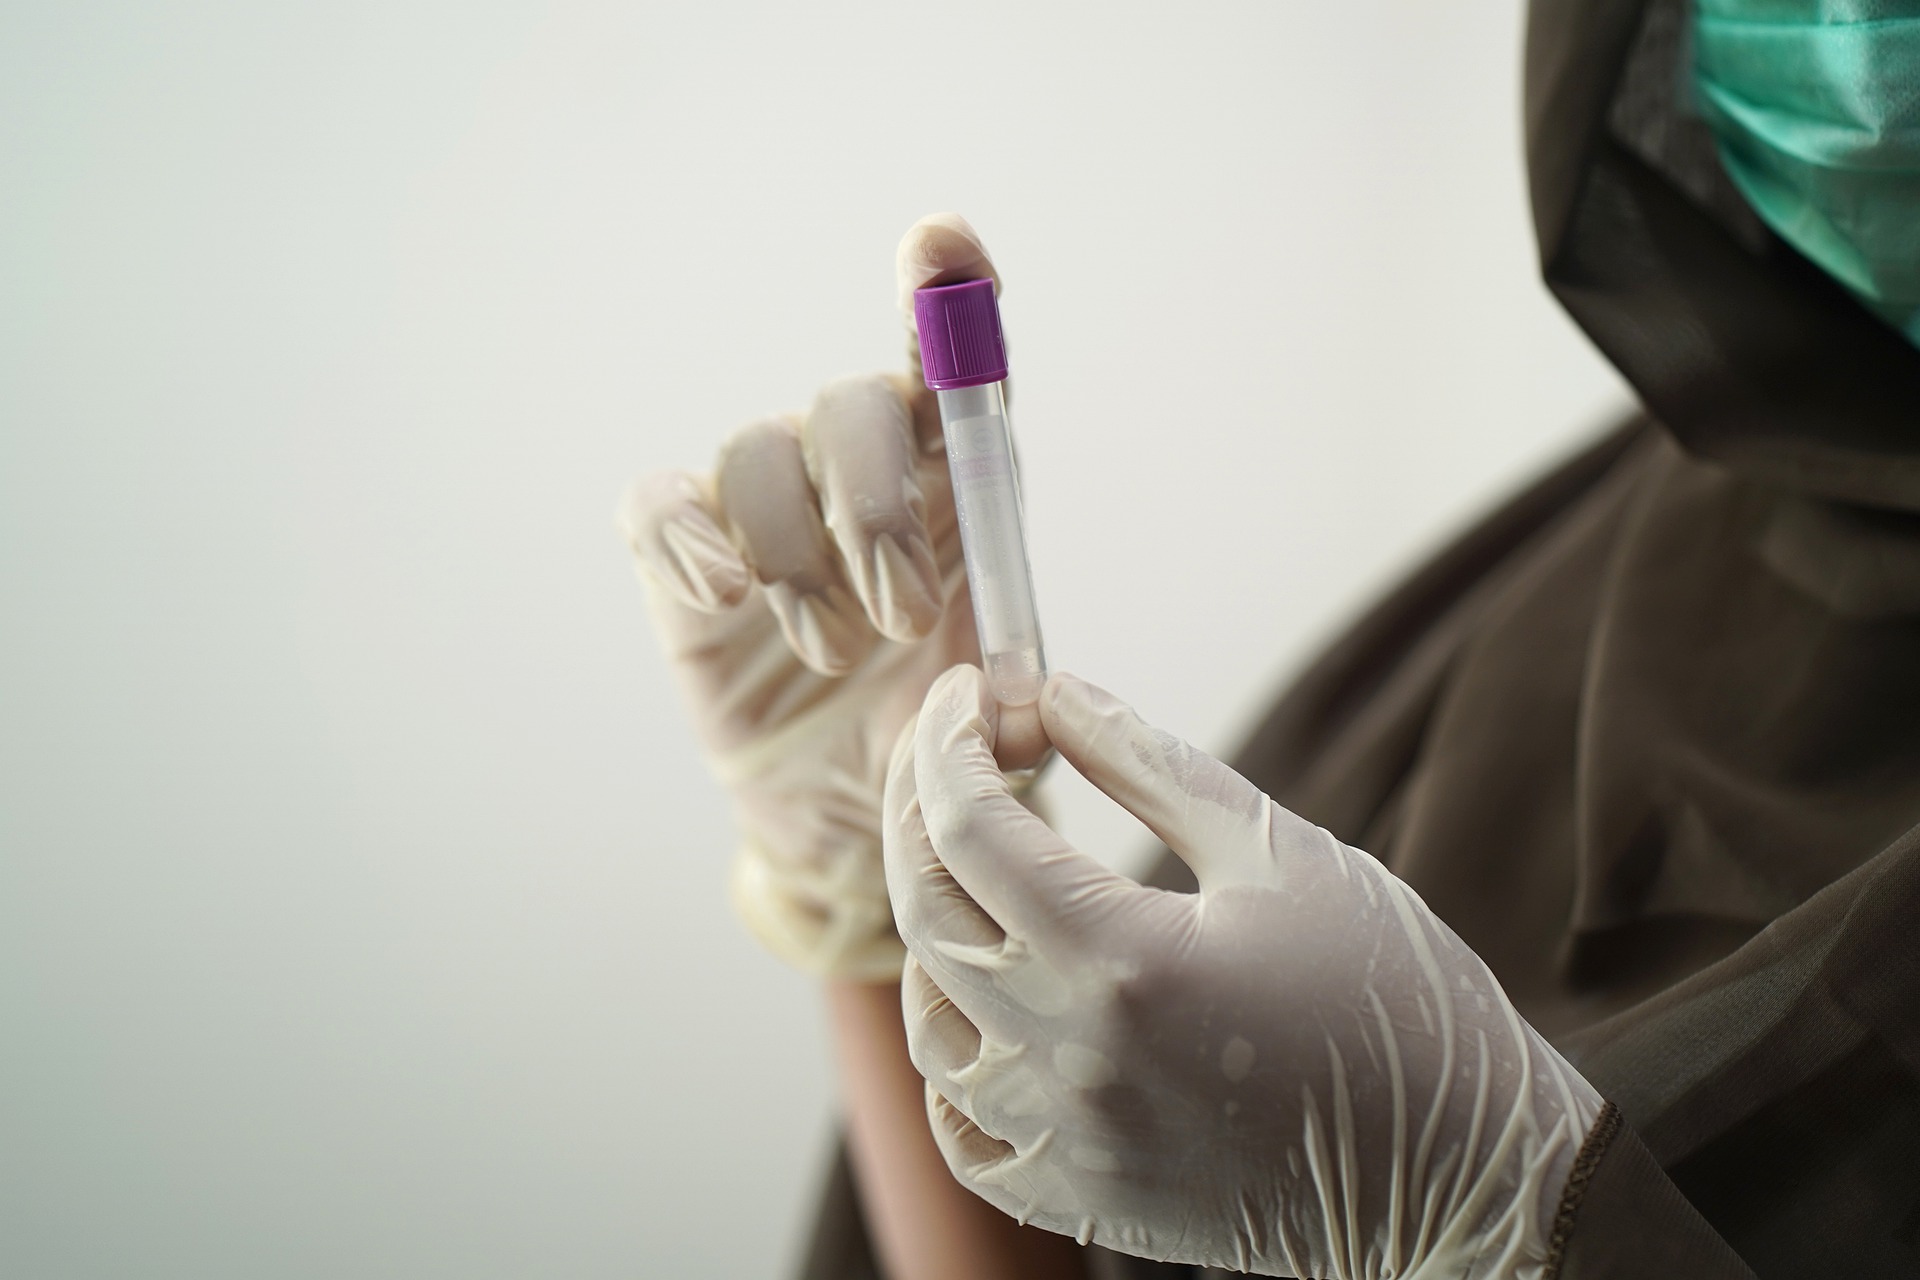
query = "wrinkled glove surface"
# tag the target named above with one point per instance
(1297, 1071)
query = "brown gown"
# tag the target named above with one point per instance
(1648, 737)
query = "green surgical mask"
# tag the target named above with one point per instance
(1816, 107)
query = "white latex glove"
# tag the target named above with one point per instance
(1298, 1071)
(807, 592)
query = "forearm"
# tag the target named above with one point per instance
(924, 1224)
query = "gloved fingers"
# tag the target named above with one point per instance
(1219, 823)
(860, 455)
(674, 532)
(956, 945)
(1013, 1179)
(1000, 1086)
(940, 1039)
(770, 509)
(941, 248)
(968, 1149)
(1056, 901)
(1003, 1090)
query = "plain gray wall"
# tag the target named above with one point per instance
(361, 906)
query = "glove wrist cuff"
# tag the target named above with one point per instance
(830, 930)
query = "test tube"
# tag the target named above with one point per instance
(965, 360)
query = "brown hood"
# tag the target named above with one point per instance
(1748, 354)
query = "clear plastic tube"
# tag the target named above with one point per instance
(986, 496)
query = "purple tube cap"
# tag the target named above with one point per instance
(960, 342)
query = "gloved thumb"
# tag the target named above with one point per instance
(1220, 824)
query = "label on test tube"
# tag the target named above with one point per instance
(986, 498)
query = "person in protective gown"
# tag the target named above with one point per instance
(1646, 739)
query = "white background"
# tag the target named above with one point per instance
(360, 891)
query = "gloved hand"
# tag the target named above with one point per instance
(806, 593)
(1297, 1071)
